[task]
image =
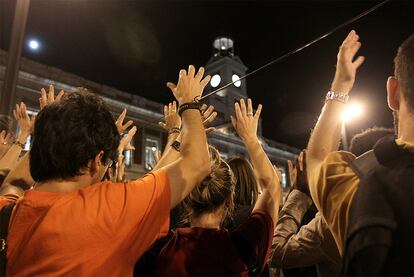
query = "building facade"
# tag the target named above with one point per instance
(145, 113)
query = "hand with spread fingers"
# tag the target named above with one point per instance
(190, 85)
(48, 98)
(208, 116)
(120, 122)
(245, 123)
(172, 121)
(125, 143)
(26, 123)
(347, 64)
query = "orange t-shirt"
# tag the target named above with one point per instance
(100, 230)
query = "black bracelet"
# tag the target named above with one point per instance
(174, 130)
(18, 143)
(176, 145)
(189, 106)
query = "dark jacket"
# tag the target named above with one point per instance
(381, 230)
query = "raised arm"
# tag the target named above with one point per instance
(173, 124)
(294, 246)
(326, 135)
(9, 160)
(245, 125)
(332, 182)
(193, 165)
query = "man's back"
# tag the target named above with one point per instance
(381, 216)
(100, 230)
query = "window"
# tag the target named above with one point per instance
(128, 157)
(151, 144)
(284, 178)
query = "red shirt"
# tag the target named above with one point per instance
(201, 251)
(100, 230)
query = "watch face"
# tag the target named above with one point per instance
(215, 80)
(235, 78)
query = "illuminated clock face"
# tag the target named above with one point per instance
(215, 81)
(235, 78)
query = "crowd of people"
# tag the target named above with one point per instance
(67, 207)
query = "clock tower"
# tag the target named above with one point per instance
(224, 67)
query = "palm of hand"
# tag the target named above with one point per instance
(245, 122)
(346, 66)
(189, 86)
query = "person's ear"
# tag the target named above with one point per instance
(95, 163)
(393, 93)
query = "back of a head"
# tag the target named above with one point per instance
(69, 133)
(365, 141)
(214, 191)
(404, 70)
(246, 191)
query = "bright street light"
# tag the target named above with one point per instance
(353, 111)
(34, 44)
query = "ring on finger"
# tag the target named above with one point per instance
(250, 114)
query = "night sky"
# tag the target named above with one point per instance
(138, 46)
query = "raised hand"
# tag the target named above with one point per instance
(208, 116)
(298, 174)
(25, 122)
(48, 98)
(246, 122)
(347, 65)
(120, 122)
(125, 143)
(293, 172)
(171, 117)
(190, 86)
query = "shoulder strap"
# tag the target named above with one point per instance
(5, 215)
(364, 163)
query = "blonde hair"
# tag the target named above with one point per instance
(214, 191)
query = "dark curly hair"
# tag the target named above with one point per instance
(68, 134)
